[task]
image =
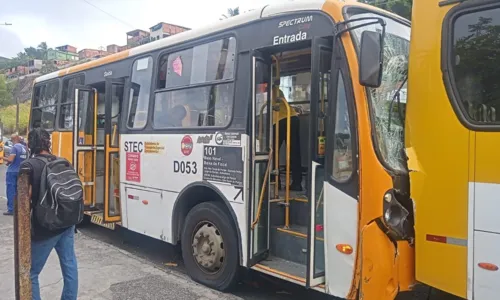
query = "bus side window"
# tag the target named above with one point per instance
(139, 93)
(66, 109)
(342, 148)
(475, 64)
(180, 101)
(44, 106)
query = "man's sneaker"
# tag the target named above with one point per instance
(8, 213)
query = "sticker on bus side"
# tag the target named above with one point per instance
(228, 138)
(133, 166)
(186, 145)
(223, 164)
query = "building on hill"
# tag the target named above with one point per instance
(163, 30)
(58, 55)
(17, 71)
(137, 37)
(67, 48)
(34, 65)
(113, 48)
(92, 53)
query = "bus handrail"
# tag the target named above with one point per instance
(262, 191)
(287, 166)
(261, 124)
(113, 136)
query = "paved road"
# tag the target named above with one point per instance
(121, 264)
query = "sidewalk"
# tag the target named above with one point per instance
(105, 272)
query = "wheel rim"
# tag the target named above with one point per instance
(208, 248)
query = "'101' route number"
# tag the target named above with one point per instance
(210, 151)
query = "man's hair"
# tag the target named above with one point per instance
(39, 140)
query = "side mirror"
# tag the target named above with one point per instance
(371, 59)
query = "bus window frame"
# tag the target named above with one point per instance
(447, 51)
(233, 80)
(346, 12)
(60, 103)
(127, 100)
(56, 105)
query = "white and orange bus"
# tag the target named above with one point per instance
(174, 140)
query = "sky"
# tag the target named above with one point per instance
(98, 23)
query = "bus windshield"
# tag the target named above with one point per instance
(387, 113)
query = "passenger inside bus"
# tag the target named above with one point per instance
(295, 157)
(294, 88)
(175, 116)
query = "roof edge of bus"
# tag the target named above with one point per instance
(374, 8)
(253, 15)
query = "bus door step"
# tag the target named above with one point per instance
(98, 219)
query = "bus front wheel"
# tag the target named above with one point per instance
(210, 246)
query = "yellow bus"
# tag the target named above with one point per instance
(451, 140)
(179, 140)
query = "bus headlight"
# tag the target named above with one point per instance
(395, 219)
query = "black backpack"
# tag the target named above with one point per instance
(60, 203)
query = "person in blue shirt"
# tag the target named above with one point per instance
(18, 154)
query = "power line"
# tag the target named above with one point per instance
(116, 18)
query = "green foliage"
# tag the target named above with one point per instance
(5, 96)
(8, 117)
(40, 52)
(399, 7)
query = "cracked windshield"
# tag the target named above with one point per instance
(387, 108)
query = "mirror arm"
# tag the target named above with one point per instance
(344, 27)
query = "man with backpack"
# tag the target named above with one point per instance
(56, 195)
(17, 155)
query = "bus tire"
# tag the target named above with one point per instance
(210, 246)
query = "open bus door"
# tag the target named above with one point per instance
(85, 140)
(261, 159)
(115, 89)
(321, 62)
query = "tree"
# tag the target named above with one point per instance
(399, 7)
(22, 57)
(42, 50)
(231, 12)
(32, 53)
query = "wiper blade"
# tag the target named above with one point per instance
(450, 2)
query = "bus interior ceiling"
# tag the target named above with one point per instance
(289, 244)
